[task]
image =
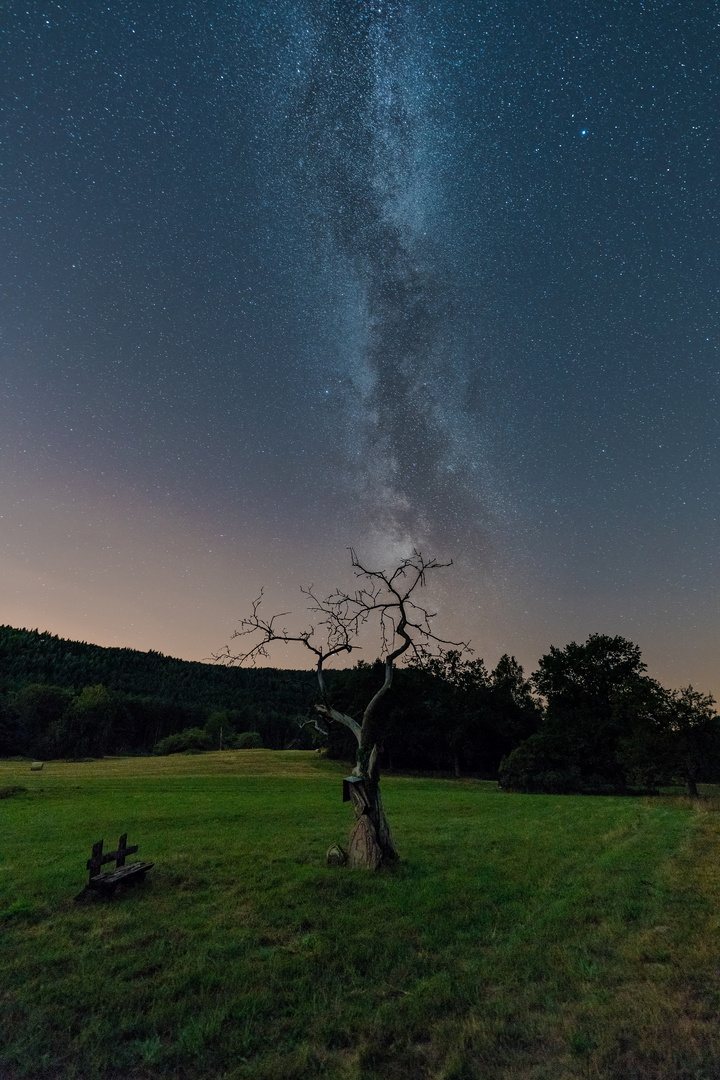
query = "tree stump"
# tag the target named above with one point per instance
(364, 852)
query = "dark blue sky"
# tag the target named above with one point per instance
(280, 278)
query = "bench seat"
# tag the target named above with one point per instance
(109, 881)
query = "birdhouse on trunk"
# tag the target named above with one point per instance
(356, 785)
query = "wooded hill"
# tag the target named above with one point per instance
(589, 719)
(30, 656)
(151, 695)
(61, 698)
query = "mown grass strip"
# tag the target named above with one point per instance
(521, 936)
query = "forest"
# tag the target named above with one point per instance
(588, 720)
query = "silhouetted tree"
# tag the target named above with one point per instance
(576, 747)
(641, 709)
(694, 735)
(386, 598)
(86, 727)
(672, 735)
(460, 704)
(36, 708)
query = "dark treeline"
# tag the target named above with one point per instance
(607, 727)
(451, 716)
(61, 698)
(589, 719)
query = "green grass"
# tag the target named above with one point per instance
(527, 936)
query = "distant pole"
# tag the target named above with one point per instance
(221, 737)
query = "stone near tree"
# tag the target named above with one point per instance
(336, 856)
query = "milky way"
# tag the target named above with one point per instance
(362, 147)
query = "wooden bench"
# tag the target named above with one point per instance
(109, 882)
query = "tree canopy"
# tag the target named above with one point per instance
(607, 726)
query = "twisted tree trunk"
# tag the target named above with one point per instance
(371, 844)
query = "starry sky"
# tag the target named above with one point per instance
(282, 277)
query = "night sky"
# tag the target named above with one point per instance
(283, 277)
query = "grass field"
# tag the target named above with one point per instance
(542, 937)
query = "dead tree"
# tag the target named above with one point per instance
(387, 600)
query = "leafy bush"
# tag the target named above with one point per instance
(190, 739)
(248, 740)
(219, 730)
(538, 766)
(543, 765)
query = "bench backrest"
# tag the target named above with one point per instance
(97, 860)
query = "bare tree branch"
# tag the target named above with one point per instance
(387, 599)
(338, 639)
(386, 596)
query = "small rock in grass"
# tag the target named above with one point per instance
(36, 766)
(336, 856)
